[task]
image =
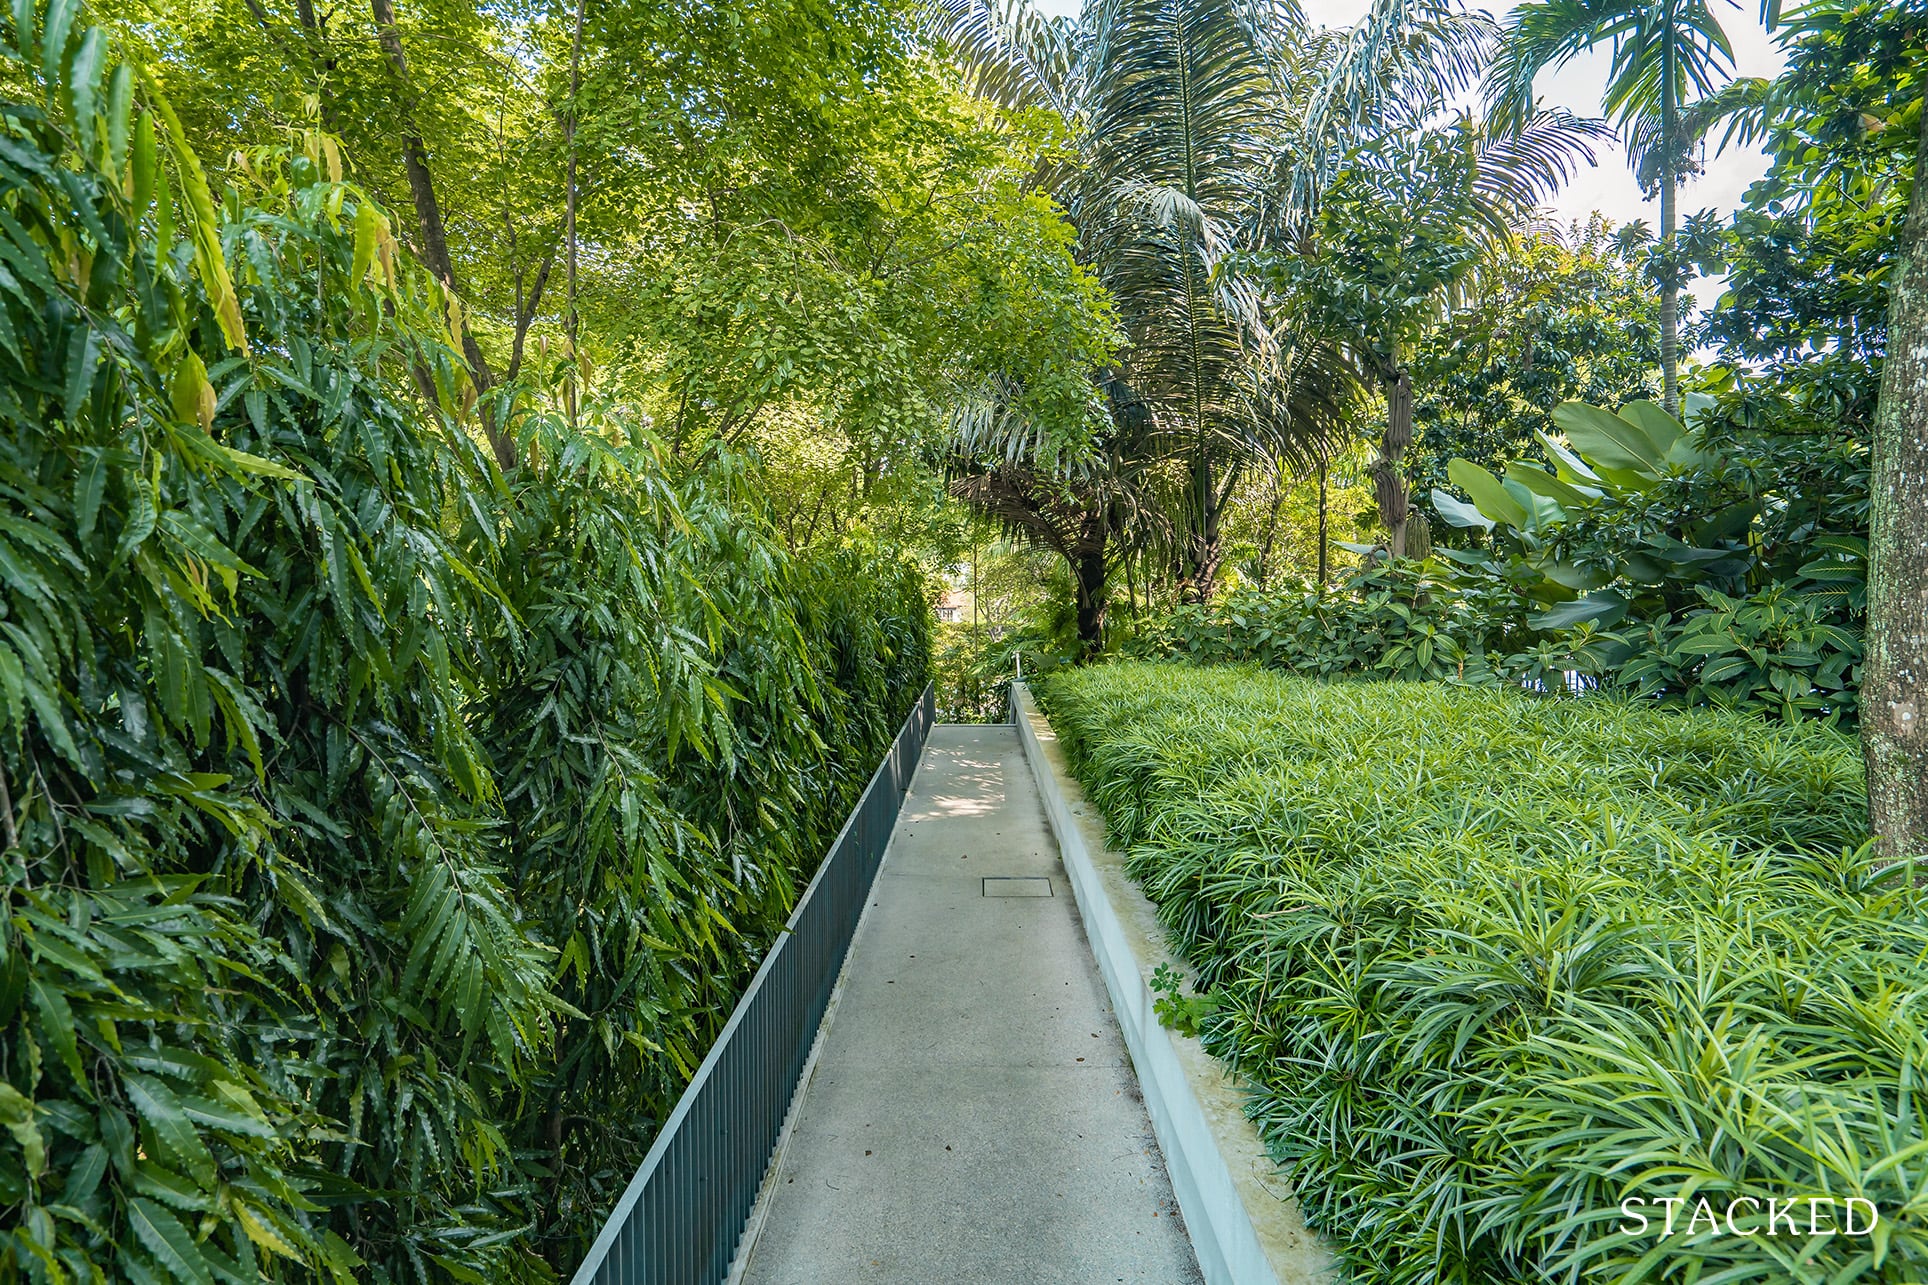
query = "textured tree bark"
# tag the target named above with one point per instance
(1323, 466)
(569, 319)
(1271, 525)
(1669, 200)
(1089, 570)
(1388, 483)
(1201, 544)
(1894, 704)
(428, 213)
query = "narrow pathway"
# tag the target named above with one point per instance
(973, 1116)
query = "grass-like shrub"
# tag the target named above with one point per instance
(1494, 964)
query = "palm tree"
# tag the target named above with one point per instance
(1080, 493)
(1173, 101)
(1382, 202)
(1663, 52)
(1407, 221)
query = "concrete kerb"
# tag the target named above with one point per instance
(1244, 1224)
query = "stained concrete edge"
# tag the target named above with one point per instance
(1245, 1224)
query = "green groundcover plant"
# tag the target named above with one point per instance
(1495, 965)
(383, 837)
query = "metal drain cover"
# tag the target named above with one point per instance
(1017, 886)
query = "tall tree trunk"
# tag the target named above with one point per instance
(1669, 216)
(1669, 307)
(1894, 701)
(1388, 482)
(1271, 524)
(1088, 570)
(569, 214)
(428, 213)
(1203, 546)
(1323, 465)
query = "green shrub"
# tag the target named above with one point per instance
(384, 838)
(1721, 566)
(1494, 964)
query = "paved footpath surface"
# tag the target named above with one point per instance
(973, 1117)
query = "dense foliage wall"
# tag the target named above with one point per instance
(385, 836)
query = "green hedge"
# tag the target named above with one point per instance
(1496, 964)
(385, 838)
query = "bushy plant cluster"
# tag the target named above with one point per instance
(1722, 566)
(385, 836)
(1495, 965)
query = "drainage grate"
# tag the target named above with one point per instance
(1017, 886)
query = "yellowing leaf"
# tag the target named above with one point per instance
(367, 230)
(16, 1113)
(453, 306)
(256, 464)
(262, 1234)
(203, 228)
(189, 393)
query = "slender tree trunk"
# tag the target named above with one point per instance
(428, 212)
(1088, 569)
(1669, 216)
(1894, 678)
(525, 314)
(569, 211)
(1271, 525)
(1388, 482)
(1323, 465)
(1200, 553)
(1669, 309)
(1203, 553)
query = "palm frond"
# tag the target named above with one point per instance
(1009, 52)
(1516, 170)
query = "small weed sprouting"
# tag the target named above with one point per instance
(1176, 1010)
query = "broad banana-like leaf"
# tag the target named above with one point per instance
(1466, 557)
(1543, 483)
(1458, 512)
(1542, 511)
(1608, 441)
(1668, 433)
(1661, 428)
(1488, 492)
(1570, 468)
(1686, 555)
(1642, 569)
(1603, 608)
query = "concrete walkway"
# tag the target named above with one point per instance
(973, 1116)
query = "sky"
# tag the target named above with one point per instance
(1608, 186)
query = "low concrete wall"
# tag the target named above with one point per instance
(1245, 1226)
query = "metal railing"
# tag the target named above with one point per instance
(680, 1217)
